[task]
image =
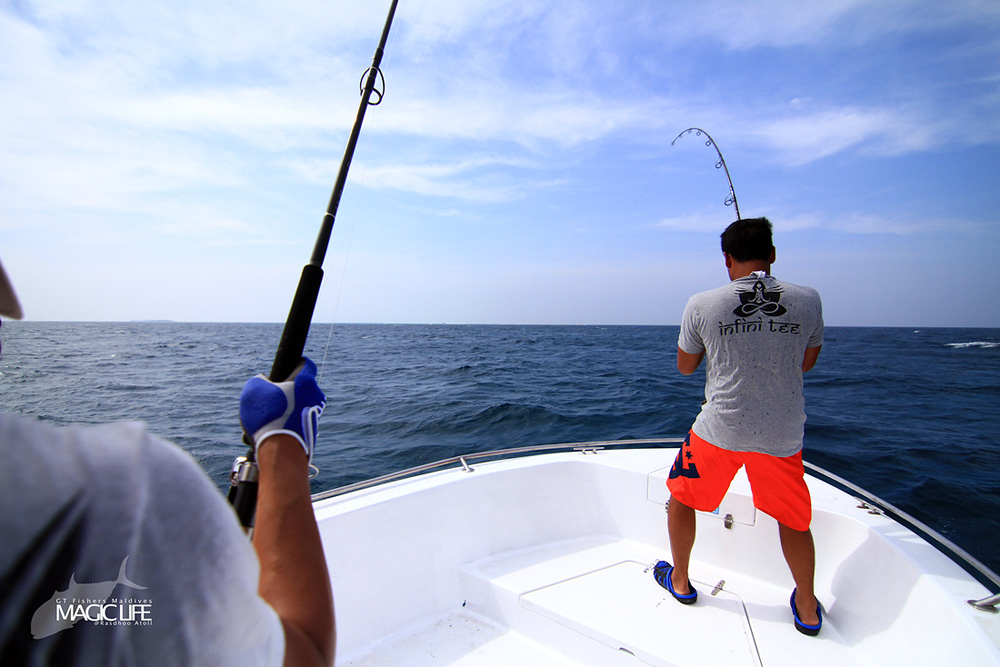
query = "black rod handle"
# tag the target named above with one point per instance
(293, 338)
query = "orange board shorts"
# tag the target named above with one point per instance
(702, 473)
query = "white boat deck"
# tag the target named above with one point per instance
(546, 561)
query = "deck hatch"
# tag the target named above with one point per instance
(622, 607)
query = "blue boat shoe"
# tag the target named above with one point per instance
(805, 628)
(662, 572)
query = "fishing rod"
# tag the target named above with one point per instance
(721, 164)
(243, 477)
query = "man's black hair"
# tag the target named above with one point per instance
(748, 239)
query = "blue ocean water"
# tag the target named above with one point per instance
(912, 415)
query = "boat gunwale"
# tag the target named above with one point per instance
(514, 452)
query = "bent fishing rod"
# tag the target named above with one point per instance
(721, 164)
(243, 477)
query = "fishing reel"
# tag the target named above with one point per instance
(242, 495)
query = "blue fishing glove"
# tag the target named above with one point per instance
(291, 407)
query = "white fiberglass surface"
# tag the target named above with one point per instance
(552, 552)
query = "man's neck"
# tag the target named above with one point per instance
(739, 270)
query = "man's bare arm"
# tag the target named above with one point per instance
(810, 359)
(688, 363)
(294, 578)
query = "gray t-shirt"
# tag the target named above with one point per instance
(116, 549)
(754, 332)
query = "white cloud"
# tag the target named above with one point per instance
(813, 135)
(474, 179)
(706, 221)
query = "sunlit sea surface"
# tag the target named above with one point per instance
(912, 415)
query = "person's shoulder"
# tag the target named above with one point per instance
(804, 290)
(120, 430)
(91, 447)
(713, 293)
(157, 457)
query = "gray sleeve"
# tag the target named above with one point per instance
(816, 338)
(690, 339)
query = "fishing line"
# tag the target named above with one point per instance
(358, 204)
(653, 174)
(362, 194)
(720, 164)
(352, 226)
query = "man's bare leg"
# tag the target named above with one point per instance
(800, 554)
(681, 528)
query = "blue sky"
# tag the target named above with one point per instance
(173, 160)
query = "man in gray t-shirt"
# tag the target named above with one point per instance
(754, 332)
(757, 336)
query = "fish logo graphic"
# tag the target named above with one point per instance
(57, 613)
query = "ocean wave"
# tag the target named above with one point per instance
(124, 386)
(982, 344)
(509, 415)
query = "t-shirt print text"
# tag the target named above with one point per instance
(758, 300)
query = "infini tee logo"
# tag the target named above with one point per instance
(759, 299)
(89, 602)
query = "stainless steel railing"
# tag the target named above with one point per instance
(584, 447)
